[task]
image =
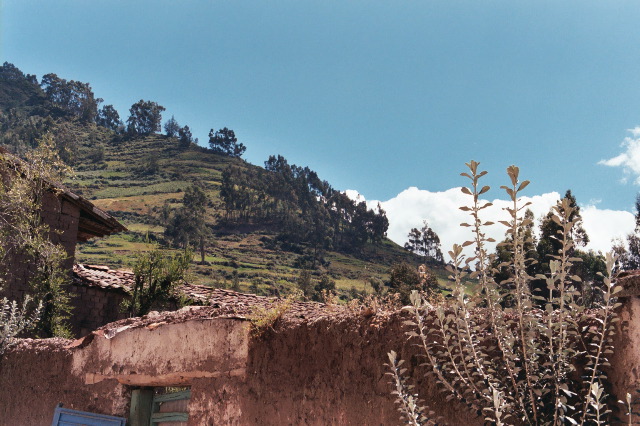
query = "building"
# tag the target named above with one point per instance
(71, 219)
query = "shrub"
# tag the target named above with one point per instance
(514, 364)
(14, 319)
(156, 276)
(264, 319)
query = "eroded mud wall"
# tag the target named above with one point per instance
(327, 370)
(37, 375)
(624, 374)
(333, 372)
(330, 371)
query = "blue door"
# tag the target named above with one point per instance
(67, 417)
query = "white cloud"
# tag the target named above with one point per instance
(354, 195)
(629, 160)
(604, 225)
(441, 210)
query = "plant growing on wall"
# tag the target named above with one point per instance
(156, 276)
(24, 234)
(515, 364)
(265, 318)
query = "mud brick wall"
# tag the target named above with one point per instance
(314, 371)
(324, 373)
(94, 307)
(39, 374)
(62, 218)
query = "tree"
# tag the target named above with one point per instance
(304, 283)
(379, 225)
(10, 72)
(426, 243)
(71, 96)
(503, 255)
(185, 137)
(188, 225)
(403, 279)
(630, 256)
(414, 242)
(156, 276)
(325, 286)
(549, 245)
(307, 209)
(171, 127)
(24, 235)
(590, 269)
(224, 142)
(145, 118)
(549, 228)
(108, 117)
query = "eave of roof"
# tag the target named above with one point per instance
(93, 221)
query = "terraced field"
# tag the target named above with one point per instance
(135, 179)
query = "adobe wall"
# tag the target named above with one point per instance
(333, 372)
(94, 307)
(62, 218)
(97, 373)
(625, 361)
(37, 375)
(327, 372)
(315, 370)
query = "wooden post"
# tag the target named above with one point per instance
(141, 406)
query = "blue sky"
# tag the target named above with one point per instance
(377, 96)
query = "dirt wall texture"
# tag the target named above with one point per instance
(328, 370)
(37, 375)
(624, 375)
(316, 366)
(334, 373)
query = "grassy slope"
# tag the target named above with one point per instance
(120, 185)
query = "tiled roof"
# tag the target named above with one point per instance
(217, 303)
(104, 277)
(220, 302)
(123, 280)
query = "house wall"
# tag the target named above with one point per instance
(333, 372)
(62, 218)
(37, 375)
(625, 361)
(94, 307)
(97, 373)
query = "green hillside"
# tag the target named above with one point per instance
(121, 184)
(142, 180)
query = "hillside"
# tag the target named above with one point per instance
(122, 185)
(142, 181)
